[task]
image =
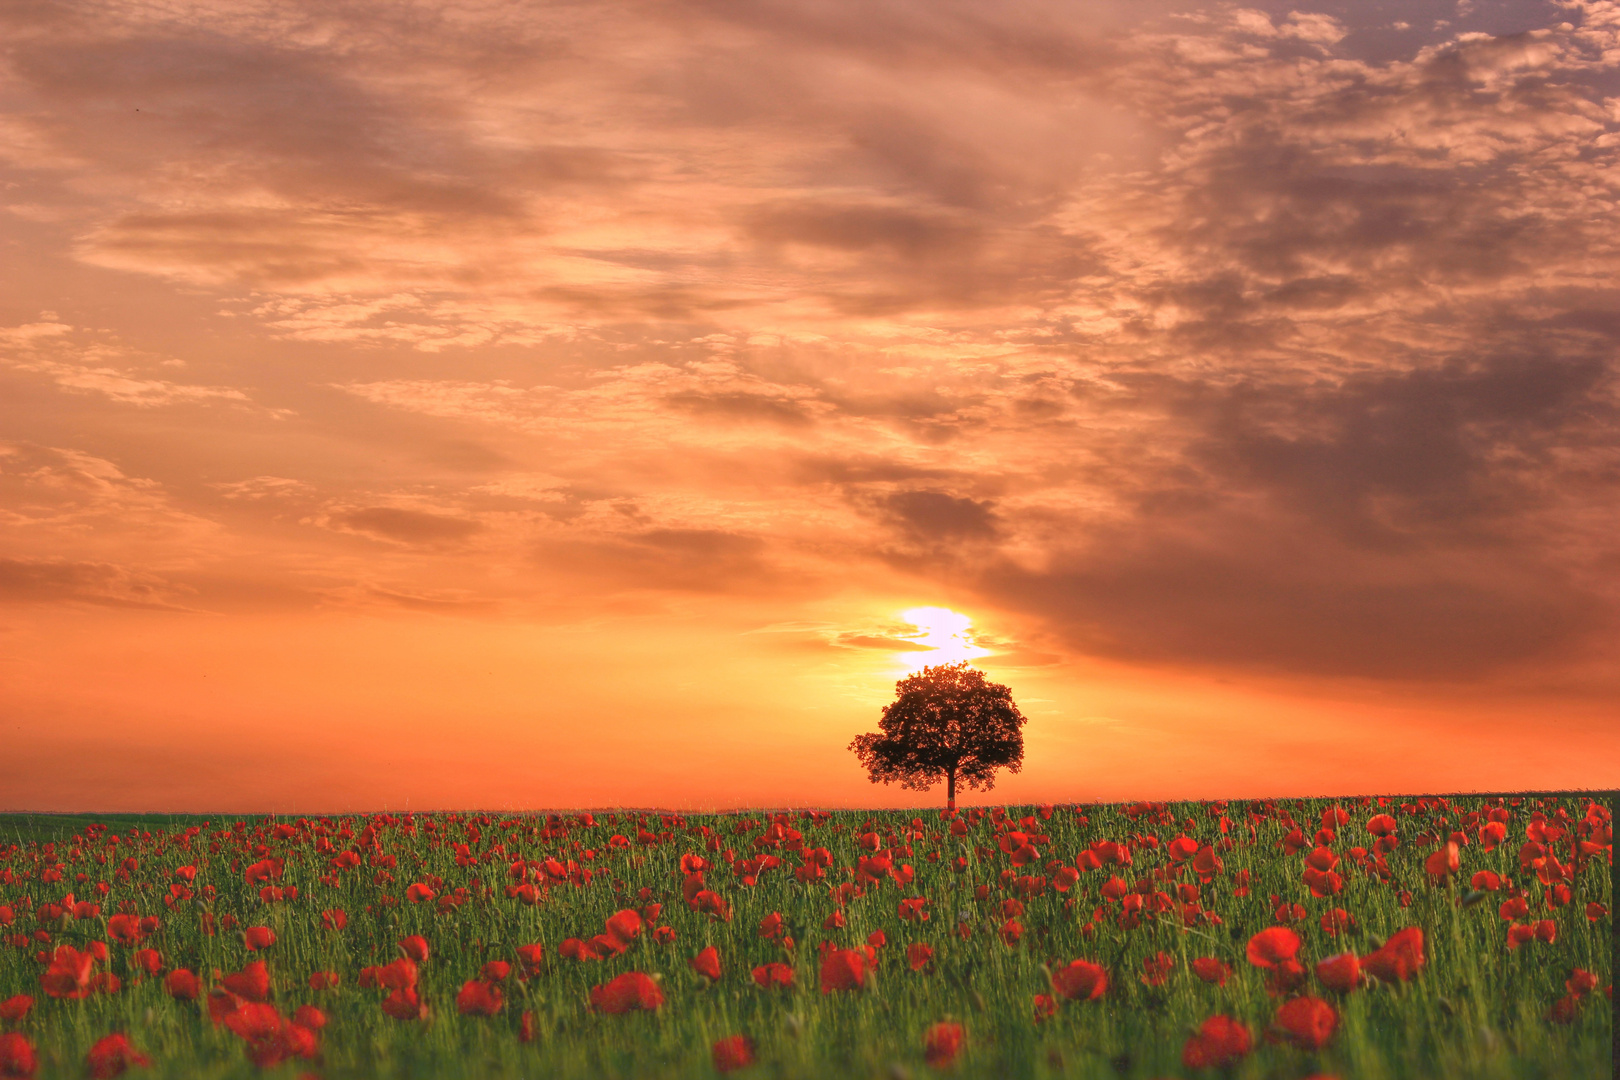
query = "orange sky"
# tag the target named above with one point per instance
(560, 404)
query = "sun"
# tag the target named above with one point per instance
(945, 636)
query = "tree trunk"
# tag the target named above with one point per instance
(950, 791)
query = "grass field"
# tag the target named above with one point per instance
(1152, 895)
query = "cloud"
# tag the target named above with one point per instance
(1192, 334)
(680, 560)
(79, 363)
(56, 581)
(406, 526)
(935, 517)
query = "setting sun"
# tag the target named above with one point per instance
(945, 635)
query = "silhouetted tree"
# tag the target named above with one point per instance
(946, 723)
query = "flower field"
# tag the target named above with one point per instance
(1355, 938)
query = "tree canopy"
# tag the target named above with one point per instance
(946, 723)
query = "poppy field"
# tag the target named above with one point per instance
(1353, 938)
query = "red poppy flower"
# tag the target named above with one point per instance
(309, 1016)
(415, 947)
(264, 1030)
(1334, 921)
(1182, 848)
(605, 945)
(15, 1008)
(69, 973)
(575, 949)
(405, 1005)
(496, 971)
(399, 975)
(919, 956)
(707, 963)
(1322, 859)
(1206, 864)
(323, 980)
(877, 939)
(733, 1052)
(125, 929)
(843, 969)
(84, 909)
(419, 892)
(1323, 883)
(1486, 881)
(221, 1003)
(532, 957)
(1064, 879)
(1518, 934)
(111, 1055)
(632, 990)
(335, 919)
(182, 985)
(1547, 931)
(624, 926)
(771, 925)
(526, 1027)
(707, 902)
(1341, 972)
(258, 937)
(1080, 980)
(1272, 946)
(1011, 931)
(914, 909)
(1211, 970)
(1596, 912)
(149, 960)
(1580, 983)
(1307, 1022)
(1156, 969)
(1514, 908)
(773, 974)
(1565, 1010)
(1381, 825)
(1399, 958)
(941, 1044)
(17, 1056)
(252, 982)
(1220, 1041)
(1045, 1007)
(262, 872)
(1443, 863)
(479, 998)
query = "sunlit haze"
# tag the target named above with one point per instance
(546, 405)
(946, 637)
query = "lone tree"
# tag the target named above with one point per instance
(945, 722)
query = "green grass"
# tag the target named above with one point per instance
(1475, 1010)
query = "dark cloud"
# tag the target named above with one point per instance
(742, 406)
(55, 581)
(933, 517)
(905, 233)
(407, 526)
(1391, 458)
(1270, 601)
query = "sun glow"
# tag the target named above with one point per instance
(945, 636)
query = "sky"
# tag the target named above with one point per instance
(467, 404)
